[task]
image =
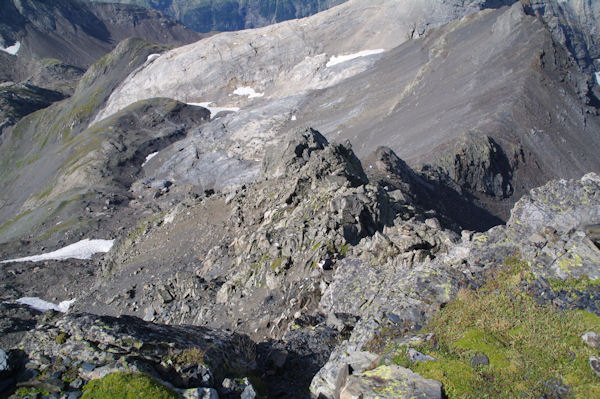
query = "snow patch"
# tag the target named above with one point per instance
(44, 306)
(14, 49)
(247, 91)
(83, 249)
(152, 57)
(149, 157)
(343, 58)
(598, 78)
(214, 110)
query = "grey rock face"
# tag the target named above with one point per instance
(575, 25)
(298, 65)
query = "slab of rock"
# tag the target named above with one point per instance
(333, 376)
(391, 382)
(414, 355)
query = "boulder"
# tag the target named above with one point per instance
(391, 382)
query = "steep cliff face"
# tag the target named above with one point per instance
(219, 15)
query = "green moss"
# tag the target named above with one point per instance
(26, 391)
(126, 386)
(276, 264)
(61, 338)
(188, 356)
(527, 343)
(579, 284)
(480, 342)
(344, 249)
(458, 378)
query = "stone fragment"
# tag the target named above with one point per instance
(87, 367)
(249, 392)
(480, 360)
(414, 355)
(592, 339)
(76, 383)
(595, 364)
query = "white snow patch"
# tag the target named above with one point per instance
(44, 306)
(214, 110)
(152, 57)
(343, 58)
(247, 91)
(14, 49)
(598, 78)
(83, 249)
(149, 157)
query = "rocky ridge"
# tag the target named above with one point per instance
(384, 266)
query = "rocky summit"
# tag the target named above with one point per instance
(385, 199)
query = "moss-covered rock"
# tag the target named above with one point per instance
(390, 382)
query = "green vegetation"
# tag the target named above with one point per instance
(127, 386)
(61, 338)
(188, 356)
(579, 284)
(14, 220)
(27, 392)
(527, 344)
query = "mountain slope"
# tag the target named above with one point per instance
(230, 15)
(443, 100)
(79, 33)
(69, 167)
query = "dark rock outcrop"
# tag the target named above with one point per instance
(18, 100)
